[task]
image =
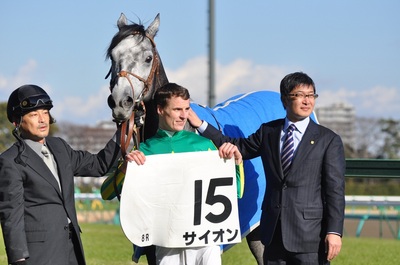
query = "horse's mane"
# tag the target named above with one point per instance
(124, 32)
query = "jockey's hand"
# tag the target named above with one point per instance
(136, 156)
(193, 119)
(228, 150)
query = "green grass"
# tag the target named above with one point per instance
(107, 245)
(369, 251)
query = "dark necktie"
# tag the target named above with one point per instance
(287, 150)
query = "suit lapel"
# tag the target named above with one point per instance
(306, 145)
(63, 161)
(62, 164)
(36, 163)
(274, 142)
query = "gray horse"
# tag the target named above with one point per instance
(137, 72)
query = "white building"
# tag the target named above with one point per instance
(340, 118)
(87, 138)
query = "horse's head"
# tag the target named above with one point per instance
(135, 67)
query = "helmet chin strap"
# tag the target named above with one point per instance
(22, 147)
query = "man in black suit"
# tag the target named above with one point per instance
(303, 208)
(37, 205)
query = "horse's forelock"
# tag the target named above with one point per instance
(124, 32)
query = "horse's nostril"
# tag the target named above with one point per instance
(111, 102)
(127, 102)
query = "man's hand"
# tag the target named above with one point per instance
(228, 150)
(333, 245)
(136, 156)
(193, 119)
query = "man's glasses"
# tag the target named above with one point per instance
(303, 96)
(32, 102)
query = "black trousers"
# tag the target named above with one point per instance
(276, 254)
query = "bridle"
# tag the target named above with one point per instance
(129, 130)
(146, 82)
(138, 104)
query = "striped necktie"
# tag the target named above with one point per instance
(287, 150)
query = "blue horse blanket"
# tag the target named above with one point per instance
(239, 117)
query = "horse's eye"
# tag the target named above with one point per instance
(148, 59)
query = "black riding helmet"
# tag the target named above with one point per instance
(26, 99)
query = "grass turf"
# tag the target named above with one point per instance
(107, 245)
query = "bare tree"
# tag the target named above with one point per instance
(391, 138)
(368, 140)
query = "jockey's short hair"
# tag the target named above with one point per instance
(168, 91)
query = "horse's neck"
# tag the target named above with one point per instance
(151, 121)
(161, 77)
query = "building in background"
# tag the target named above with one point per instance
(87, 138)
(340, 118)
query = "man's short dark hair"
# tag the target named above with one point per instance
(168, 91)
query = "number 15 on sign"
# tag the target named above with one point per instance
(181, 200)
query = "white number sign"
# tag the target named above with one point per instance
(181, 200)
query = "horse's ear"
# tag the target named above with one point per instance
(122, 21)
(153, 28)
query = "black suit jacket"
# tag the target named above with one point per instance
(309, 201)
(34, 212)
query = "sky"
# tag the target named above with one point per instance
(351, 49)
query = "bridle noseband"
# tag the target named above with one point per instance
(147, 83)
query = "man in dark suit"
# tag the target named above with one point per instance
(37, 205)
(303, 208)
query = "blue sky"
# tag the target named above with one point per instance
(350, 48)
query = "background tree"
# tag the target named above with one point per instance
(368, 138)
(6, 137)
(390, 148)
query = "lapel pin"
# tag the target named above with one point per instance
(312, 142)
